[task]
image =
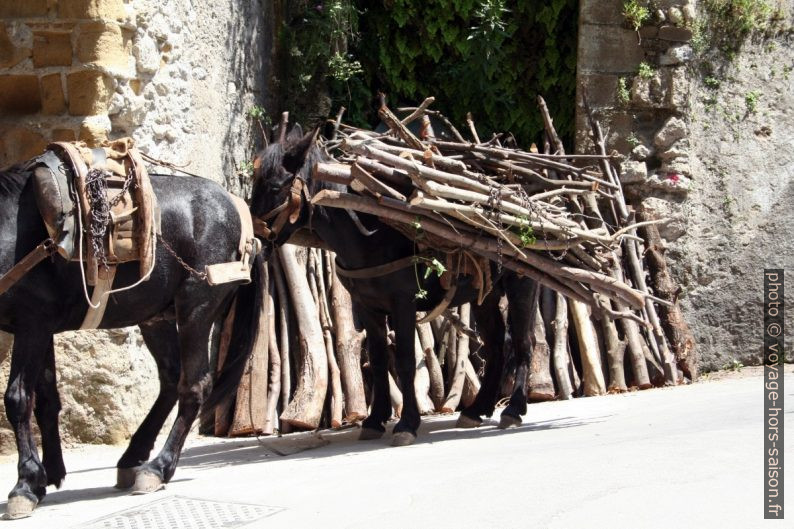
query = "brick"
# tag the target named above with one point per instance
(18, 144)
(102, 44)
(52, 98)
(19, 94)
(10, 55)
(601, 12)
(91, 9)
(23, 8)
(63, 135)
(612, 51)
(88, 93)
(675, 34)
(51, 48)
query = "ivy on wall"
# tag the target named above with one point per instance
(488, 57)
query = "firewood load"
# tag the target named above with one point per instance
(560, 219)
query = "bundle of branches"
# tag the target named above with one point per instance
(560, 219)
(604, 315)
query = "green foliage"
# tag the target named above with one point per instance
(730, 22)
(712, 82)
(733, 365)
(751, 101)
(645, 70)
(624, 95)
(635, 14)
(527, 236)
(488, 57)
(246, 169)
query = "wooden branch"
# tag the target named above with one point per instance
(427, 344)
(588, 346)
(396, 126)
(274, 357)
(562, 364)
(306, 407)
(418, 112)
(284, 348)
(456, 385)
(541, 387)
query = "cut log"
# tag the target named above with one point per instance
(427, 343)
(274, 356)
(223, 412)
(541, 386)
(561, 355)
(348, 349)
(681, 339)
(306, 407)
(250, 412)
(459, 374)
(421, 379)
(284, 348)
(588, 346)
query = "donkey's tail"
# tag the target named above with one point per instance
(250, 300)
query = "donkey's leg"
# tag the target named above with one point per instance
(373, 426)
(195, 323)
(163, 342)
(492, 329)
(46, 408)
(403, 319)
(27, 357)
(519, 296)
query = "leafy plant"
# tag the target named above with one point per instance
(624, 95)
(733, 365)
(635, 14)
(711, 82)
(645, 70)
(246, 168)
(730, 22)
(751, 101)
(526, 234)
(633, 140)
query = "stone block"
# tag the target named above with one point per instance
(18, 144)
(614, 51)
(673, 130)
(651, 93)
(52, 48)
(52, 98)
(23, 8)
(92, 9)
(94, 130)
(675, 34)
(63, 135)
(88, 93)
(601, 12)
(10, 53)
(632, 172)
(102, 44)
(19, 94)
(601, 89)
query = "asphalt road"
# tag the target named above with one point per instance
(682, 457)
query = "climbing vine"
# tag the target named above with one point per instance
(488, 57)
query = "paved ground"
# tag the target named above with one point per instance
(684, 457)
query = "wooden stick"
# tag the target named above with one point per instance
(250, 413)
(562, 364)
(456, 386)
(348, 347)
(588, 346)
(223, 411)
(284, 348)
(541, 387)
(418, 112)
(274, 384)
(427, 344)
(421, 379)
(307, 404)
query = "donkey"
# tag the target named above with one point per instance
(393, 295)
(175, 310)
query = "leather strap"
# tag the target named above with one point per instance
(18, 271)
(93, 316)
(380, 270)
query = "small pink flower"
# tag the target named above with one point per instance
(675, 178)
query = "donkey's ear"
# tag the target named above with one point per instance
(296, 155)
(295, 133)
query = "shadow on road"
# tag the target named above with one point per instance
(333, 443)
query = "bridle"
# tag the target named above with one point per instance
(288, 211)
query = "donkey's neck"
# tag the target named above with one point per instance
(353, 249)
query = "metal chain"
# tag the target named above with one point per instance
(199, 275)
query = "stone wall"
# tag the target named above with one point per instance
(696, 153)
(179, 77)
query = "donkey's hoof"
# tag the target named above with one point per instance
(464, 421)
(508, 421)
(403, 439)
(125, 478)
(147, 482)
(19, 507)
(369, 434)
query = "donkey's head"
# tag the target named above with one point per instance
(282, 181)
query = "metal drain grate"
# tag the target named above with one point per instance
(178, 512)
